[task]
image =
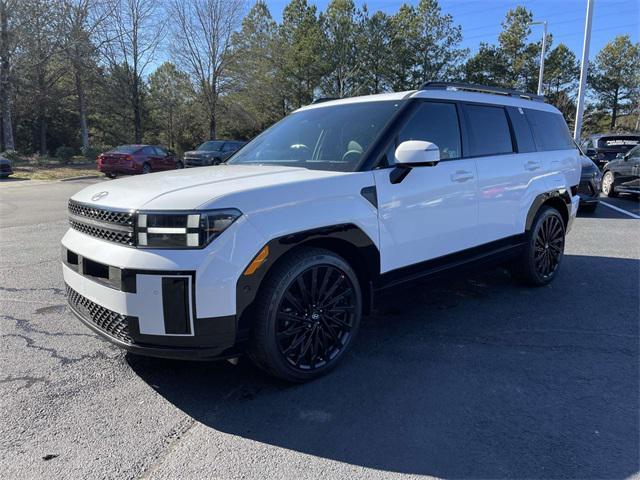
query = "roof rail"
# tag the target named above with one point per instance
(323, 99)
(472, 87)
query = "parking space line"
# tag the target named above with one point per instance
(618, 209)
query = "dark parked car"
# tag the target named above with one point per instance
(622, 175)
(589, 188)
(606, 147)
(132, 159)
(212, 152)
(5, 167)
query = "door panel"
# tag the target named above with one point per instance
(432, 212)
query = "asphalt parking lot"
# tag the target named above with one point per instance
(474, 377)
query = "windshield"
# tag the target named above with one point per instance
(326, 138)
(210, 146)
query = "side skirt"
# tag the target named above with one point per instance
(496, 252)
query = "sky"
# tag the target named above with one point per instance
(480, 19)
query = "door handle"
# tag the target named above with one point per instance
(461, 176)
(532, 165)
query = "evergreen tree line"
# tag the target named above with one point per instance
(86, 74)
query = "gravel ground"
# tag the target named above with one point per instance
(473, 377)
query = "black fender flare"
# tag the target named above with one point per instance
(348, 237)
(557, 198)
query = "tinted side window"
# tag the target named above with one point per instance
(228, 147)
(149, 151)
(488, 130)
(160, 152)
(436, 123)
(549, 130)
(521, 129)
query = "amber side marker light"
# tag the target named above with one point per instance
(259, 260)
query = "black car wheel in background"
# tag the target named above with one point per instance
(589, 187)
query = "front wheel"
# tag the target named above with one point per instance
(308, 313)
(544, 249)
(146, 168)
(608, 184)
(179, 165)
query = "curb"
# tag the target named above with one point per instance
(83, 177)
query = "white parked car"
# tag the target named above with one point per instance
(280, 251)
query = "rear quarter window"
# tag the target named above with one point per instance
(550, 131)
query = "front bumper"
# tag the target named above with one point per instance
(589, 190)
(152, 320)
(168, 303)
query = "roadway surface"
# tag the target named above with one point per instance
(474, 377)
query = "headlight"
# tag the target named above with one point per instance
(183, 230)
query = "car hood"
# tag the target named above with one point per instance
(200, 153)
(191, 188)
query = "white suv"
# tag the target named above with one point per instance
(280, 251)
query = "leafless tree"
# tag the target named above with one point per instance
(131, 35)
(201, 45)
(82, 20)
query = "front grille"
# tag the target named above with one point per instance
(109, 225)
(101, 215)
(110, 322)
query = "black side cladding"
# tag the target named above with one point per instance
(175, 305)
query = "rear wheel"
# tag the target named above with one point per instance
(544, 249)
(179, 165)
(146, 168)
(608, 185)
(111, 175)
(307, 315)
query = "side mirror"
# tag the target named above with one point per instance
(591, 152)
(417, 153)
(620, 156)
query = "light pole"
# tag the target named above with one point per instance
(544, 46)
(584, 67)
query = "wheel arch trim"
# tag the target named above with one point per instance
(346, 239)
(559, 198)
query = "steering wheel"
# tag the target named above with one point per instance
(351, 155)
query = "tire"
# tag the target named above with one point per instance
(544, 249)
(111, 175)
(179, 165)
(608, 184)
(146, 168)
(294, 338)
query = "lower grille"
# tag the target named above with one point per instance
(585, 188)
(112, 323)
(103, 233)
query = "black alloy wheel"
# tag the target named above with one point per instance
(315, 317)
(307, 315)
(549, 246)
(543, 250)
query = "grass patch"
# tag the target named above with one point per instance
(50, 168)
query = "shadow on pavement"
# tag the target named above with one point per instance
(474, 378)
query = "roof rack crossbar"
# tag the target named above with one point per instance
(472, 87)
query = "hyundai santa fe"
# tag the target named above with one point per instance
(280, 252)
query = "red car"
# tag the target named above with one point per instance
(132, 159)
